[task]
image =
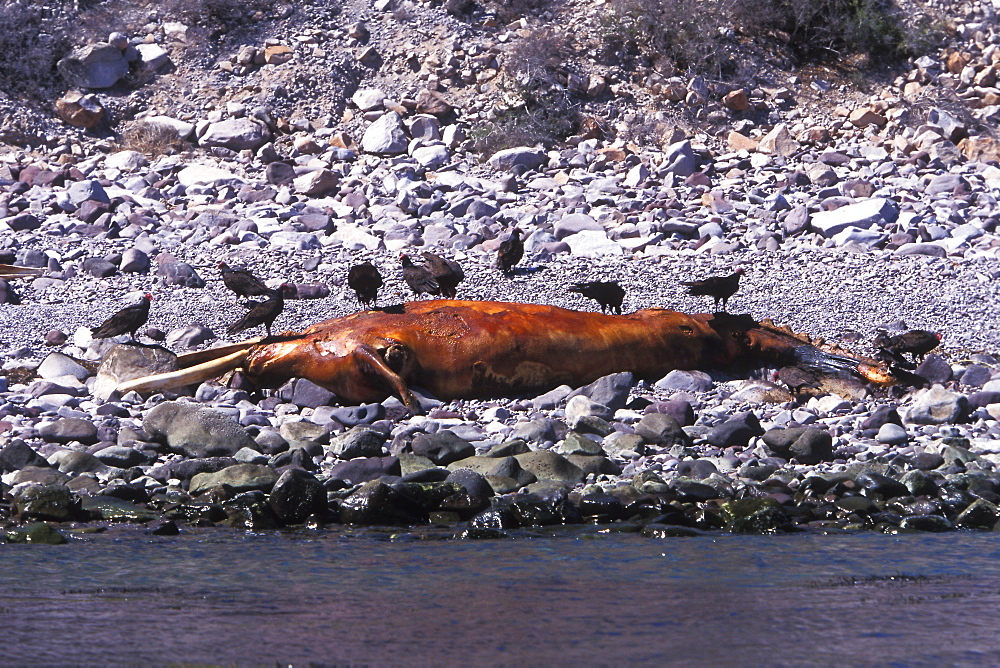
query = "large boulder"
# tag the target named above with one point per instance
(236, 134)
(127, 362)
(93, 66)
(196, 431)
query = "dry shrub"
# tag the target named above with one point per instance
(151, 139)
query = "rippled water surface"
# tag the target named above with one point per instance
(575, 598)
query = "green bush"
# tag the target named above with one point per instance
(697, 36)
(541, 109)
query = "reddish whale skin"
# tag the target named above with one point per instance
(466, 349)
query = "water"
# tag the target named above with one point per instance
(580, 597)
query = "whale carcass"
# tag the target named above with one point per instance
(465, 349)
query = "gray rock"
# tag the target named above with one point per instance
(302, 431)
(240, 477)
(191, 336)
(576, 443)
(93, 66)
(363, 469)
(66, 430)
(580, 407)
(891, 434)
(737, 430)
(76, 461)
(551, 399)
(934, 369)
(663, 430)
(16, 455)
(687, 381)
(195, 431)
(547, 465)
(976, 375)
(506, 467)
(442, 447)
(122, 457)
(126, 362)
(876, 211)
(386, 136)
(611, 390)
(938, 406)
(525, 156)
(359, 441)
(56, 364)
(236, 134)
(807, 445)
(134, 261)
(180, 274)
(933, 250)
(576, 222)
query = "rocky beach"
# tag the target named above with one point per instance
(323, 145)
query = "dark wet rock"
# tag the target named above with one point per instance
(506, 467)
(600, 507)
(428, 495)
(376, 503)
(442, 447)
(696, 469)
(547, 465)
(298, 458)
(545, 507)
(878, 487)
(186, 469)
(611, 390)
(38, 533)
(239, 477)
(880, 416)
(76, 461)
(760, 472)
(164, 528)
(66, 430)
(980, 514)
(934, 369)
(679, 409)
(665, 531)
(663, 430)
(111, 509)
(594, 464)
(736, 431)
(856, 504)
(17, 454)
(932, 523)
(807, 445)
(692, 491)
(509, 448)
(296, 495)
(359, 441)
(270, 441)
(52, 502)
(927, 461)
(500, 516)
(919, 483)
(472, 482)
(250, 510)
(123, 457)
(755, 515)
(195, 431)
(38, 475)
(364, 469)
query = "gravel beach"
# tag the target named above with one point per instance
(859, 217)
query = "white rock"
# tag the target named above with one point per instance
(205, 175)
